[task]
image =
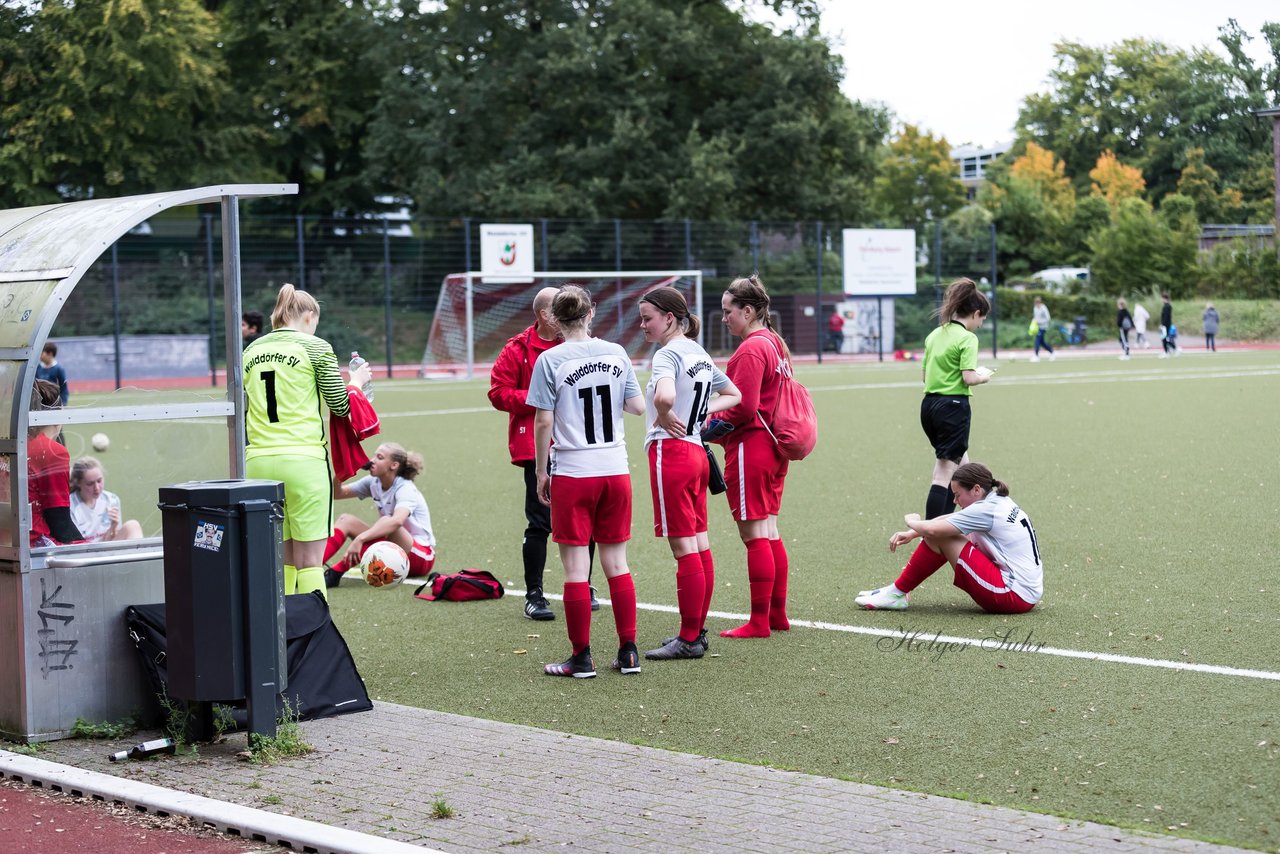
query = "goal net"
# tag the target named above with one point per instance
(477, 313)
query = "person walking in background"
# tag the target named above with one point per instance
(50, 371)
(1140, 318)
(1210, 319)
(1167, 333)
(989, 542)
(755, 472)
(581, 389)
(96, 511)
(685, 387)
(287, 373)
(950, 372)
(1124, 322)
(835, 331)
(1040, 317)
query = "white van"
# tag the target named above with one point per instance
(1058, 279)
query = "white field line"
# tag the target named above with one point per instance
(937, 644)
(1042, 379)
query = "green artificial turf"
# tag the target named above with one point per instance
(1152, 485)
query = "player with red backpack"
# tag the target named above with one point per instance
(773, 424)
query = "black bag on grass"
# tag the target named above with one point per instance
(323, 680)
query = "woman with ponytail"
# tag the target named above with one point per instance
(754, 470)
(685, 386)
(287, 372)
(989, 542)
(950, 371)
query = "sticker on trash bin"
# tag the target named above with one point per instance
(209, 536)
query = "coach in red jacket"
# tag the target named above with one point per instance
(508, 387)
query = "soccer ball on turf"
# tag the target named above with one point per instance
(100, 442)
(384, 564)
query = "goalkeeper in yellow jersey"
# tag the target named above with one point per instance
(287, 372)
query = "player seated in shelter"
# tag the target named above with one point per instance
(96, 511)
(403, 517)
(989, 542)
(48, 481)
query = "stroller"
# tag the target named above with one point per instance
(1077, 334)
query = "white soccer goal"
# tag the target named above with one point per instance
(478, 312)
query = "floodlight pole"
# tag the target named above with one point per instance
(995, 318)
(386, 291)
(817, 312)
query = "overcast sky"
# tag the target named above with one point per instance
(961, 70)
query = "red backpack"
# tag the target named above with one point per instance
(795, 422)
(465, 586)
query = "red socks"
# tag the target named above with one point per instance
(331, 546)
(778, 600)
(690, 594)
(577, 614)
(924, 562)
(709, 584)
(622, 590)
(760, 573)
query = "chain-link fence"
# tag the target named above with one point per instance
(378, 279)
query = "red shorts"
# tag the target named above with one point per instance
(678, 473)
(982, 579)
(755, 474)
(590, 508)
(422, 558)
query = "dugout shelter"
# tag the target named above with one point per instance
(64, 651)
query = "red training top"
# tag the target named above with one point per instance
(48, 480)
(756, 368)
(509, 386)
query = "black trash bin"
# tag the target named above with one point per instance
(223, 590)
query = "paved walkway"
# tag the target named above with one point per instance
(382, 773)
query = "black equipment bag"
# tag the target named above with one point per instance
(323, 680)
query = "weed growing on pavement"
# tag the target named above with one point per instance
(272, 799)
(104, 729)
(26, 749)
(440, 808)
(287, 742)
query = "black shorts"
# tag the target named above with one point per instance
(945, 419)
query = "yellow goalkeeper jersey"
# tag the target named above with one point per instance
(287, 374)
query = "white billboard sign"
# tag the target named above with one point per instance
(879, 262)
(506, 248)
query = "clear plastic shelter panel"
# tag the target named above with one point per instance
(10, 371)
(21, 305)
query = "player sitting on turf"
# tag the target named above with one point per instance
(989, 541)
(403, 517)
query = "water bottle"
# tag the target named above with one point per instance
(358, 361)
(145, 749)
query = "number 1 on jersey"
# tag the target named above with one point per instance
(698, 412)
(269, 377)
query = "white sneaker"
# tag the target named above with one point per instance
(1034, 359)
(1052, 356)
(883, 599)
(1124, 357)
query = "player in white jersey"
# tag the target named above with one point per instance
(581, 389)
(685, 387)
(403, 516)
(989, 541)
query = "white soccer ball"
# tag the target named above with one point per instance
(384, 564)
(100, 442)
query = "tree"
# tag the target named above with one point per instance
(1031, 200)
(110, 97)
(1142, 251)
(307, 75)
(1114, 181)
(1149, 104)
(640, 109)
(918, 180)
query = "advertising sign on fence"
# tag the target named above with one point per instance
(506, 248)
(879, 262)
